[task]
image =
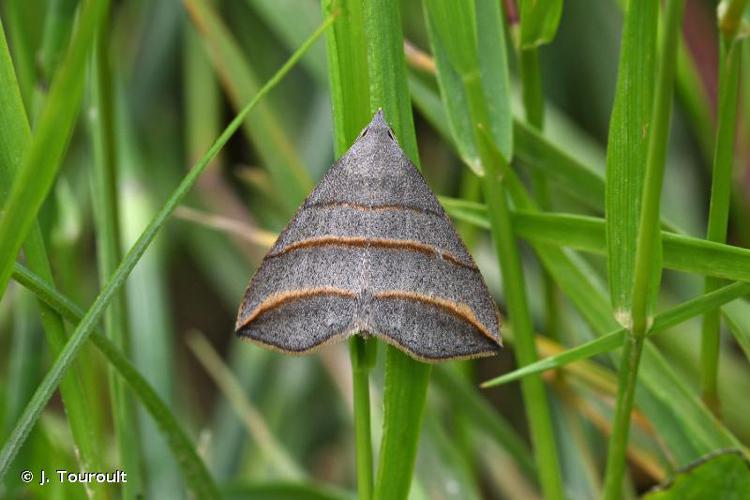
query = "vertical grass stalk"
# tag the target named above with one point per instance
(721, 188)
(534, 393)
(533, 103)
(406, 380)
(348, 75)
(15, 137)
(648, 249)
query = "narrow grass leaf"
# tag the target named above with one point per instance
(406, 380)
(613, 340)
(686, 425)
(721, 194)
(475, 52)
(46, 388)
(581, 232)
(629, 130)
(737, 316)
(480, 73)
(539, 21)
(14, 139)
(195, 472)
(44, 155)
(350, 100)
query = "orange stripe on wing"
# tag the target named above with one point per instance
(278, 299)
(462, 311)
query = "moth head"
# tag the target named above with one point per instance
(378, 126)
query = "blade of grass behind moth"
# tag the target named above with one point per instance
(46, 388)
(44, 154)
(538, 25)
(629, 129)
(194, 470)
(350, 101)
(614, 339)
(406, 379)
(109, 244)
(664, 393)
(737, 315)
(539, 22)
(263, 128)
(14, 140)
(580, 232)
(730, 53)
(254, 421)
(578, 179)
(461, 45)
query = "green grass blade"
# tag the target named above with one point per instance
(486, 58)
(46, 388)
(477, 73)
(406, 379)
(195, 471)
(539, 21)
(404, 398)
(14, 128)
(614, 339)
(648, 249)
(629, 129)
(14, 140)
(664, 393)
(44, 155)
(721, 193)
(350, 100)
(348, 74)
(581, 232)
(737, 315)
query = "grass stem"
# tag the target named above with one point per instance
(718, 215)
(648, 249)
(348, 74)
(534, 394)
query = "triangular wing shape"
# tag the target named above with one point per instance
(371, 251)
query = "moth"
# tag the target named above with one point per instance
(371, 252)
